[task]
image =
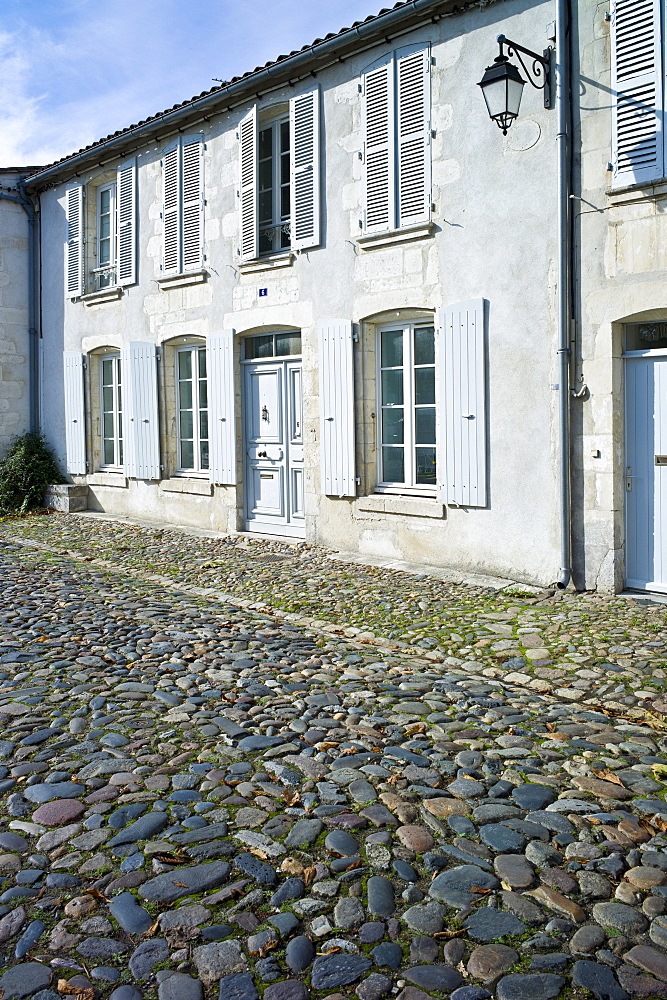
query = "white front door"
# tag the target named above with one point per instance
(646, 473)
(274, 447)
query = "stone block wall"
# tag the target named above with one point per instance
(14, 348)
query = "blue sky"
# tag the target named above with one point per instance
(72, 71)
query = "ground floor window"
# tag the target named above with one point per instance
(406, 389)
(192, 404)
(112, 412)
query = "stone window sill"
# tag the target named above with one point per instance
(182, 280)
(116, 479)
(267, 263)
(384, 503)
(633, 193)
(102, 295)
(373, 241)
(186, 484)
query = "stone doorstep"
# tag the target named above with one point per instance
(66, 497)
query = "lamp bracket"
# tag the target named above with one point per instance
(538, 69)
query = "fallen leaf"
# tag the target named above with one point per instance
(171, 859)
(181, 885)
(262, 855)
(478, 890)
(606, 775)
(309, 874)
(448, 934)
(151, 930)
(551, 727)
(96, 894)
(330, 951)
(291, 798)
(266, 948)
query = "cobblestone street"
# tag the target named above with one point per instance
(236, 768)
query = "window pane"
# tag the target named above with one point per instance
(425, 385)
(108, 425)
(392, 465)
(265, 207)
(265, 142)
(184, 364)
(424, 346)
(185, 395)
(108, 453)
(105, 227)
(186, 424)
(265, 241)
(107, 371)
(118, 370)
(288, 343)
(285, 240)
(120, 398)
(107, 398)
(203, 393)
(284, 203)
(284, 137)
(425, 425)
(120, 452)
(392, 387)
(202, 362)
(264, 174)
(259, 347)
(187, 455)
(425, 465)
(203, 454)
(120, 428)
(203, 425)
(392, 426)
(392, 348)
(105, 200)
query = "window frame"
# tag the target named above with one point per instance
(409, 445)
(198, 469)
(280, 225)
(116, 386)
(109, 267)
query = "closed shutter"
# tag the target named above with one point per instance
(379, 201)
(74, 268)
(413, 86)
(305, 169)
(637, 133)
(248, 189)
(463, 431)
(171, 218)
(337, 408)
(127, 223)
(140, 411)
(221, 407)
(75, 413)
(193, 202)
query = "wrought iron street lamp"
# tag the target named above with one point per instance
(502, 83)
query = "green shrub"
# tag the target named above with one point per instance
(26, 471)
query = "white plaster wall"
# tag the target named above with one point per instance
(14, 348)
(495, 215)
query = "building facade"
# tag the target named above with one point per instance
(321, 301)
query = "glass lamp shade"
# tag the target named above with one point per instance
(502, 86)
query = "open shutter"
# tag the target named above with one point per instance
(127, 225)
(74, 269)
(75, 413)
(637, 132)
(140, 416)
(193, 202)
(248, 189)
(379, 200)
(171, 216)
(463, 430)
(221, 407)
(413, 86)
(305, 169)
(337, 408)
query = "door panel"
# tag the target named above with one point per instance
(266, 492)
(645, 475)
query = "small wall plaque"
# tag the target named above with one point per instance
(661, 459)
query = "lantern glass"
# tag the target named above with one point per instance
(502, 86)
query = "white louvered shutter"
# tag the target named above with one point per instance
(75, 413)
(126, 265)
(248, 188)
(637, 132)
(337, 408)
(221, 407)
(140, 411)
(305, 169)
(463, 431)
(379, 190)
(413, 117)
(192, 147)
(171, 215)
(74, 283)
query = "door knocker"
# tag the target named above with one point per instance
(265, 414)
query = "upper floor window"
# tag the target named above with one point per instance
(102, 232)
(638, 68)
(112, 411)
(183, 205)
(280, 178)
(407, 404)
(192, 397)
(397, 140)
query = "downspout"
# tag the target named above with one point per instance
(26, 204)
(563, 279)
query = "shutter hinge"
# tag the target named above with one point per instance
(607, 15)
(357, 480)
(359, 87)
(85, 364)
(360, 155)
(432, 60)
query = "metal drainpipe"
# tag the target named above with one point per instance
(26, 204)
(563, 150)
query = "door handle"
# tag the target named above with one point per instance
(262, 454)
